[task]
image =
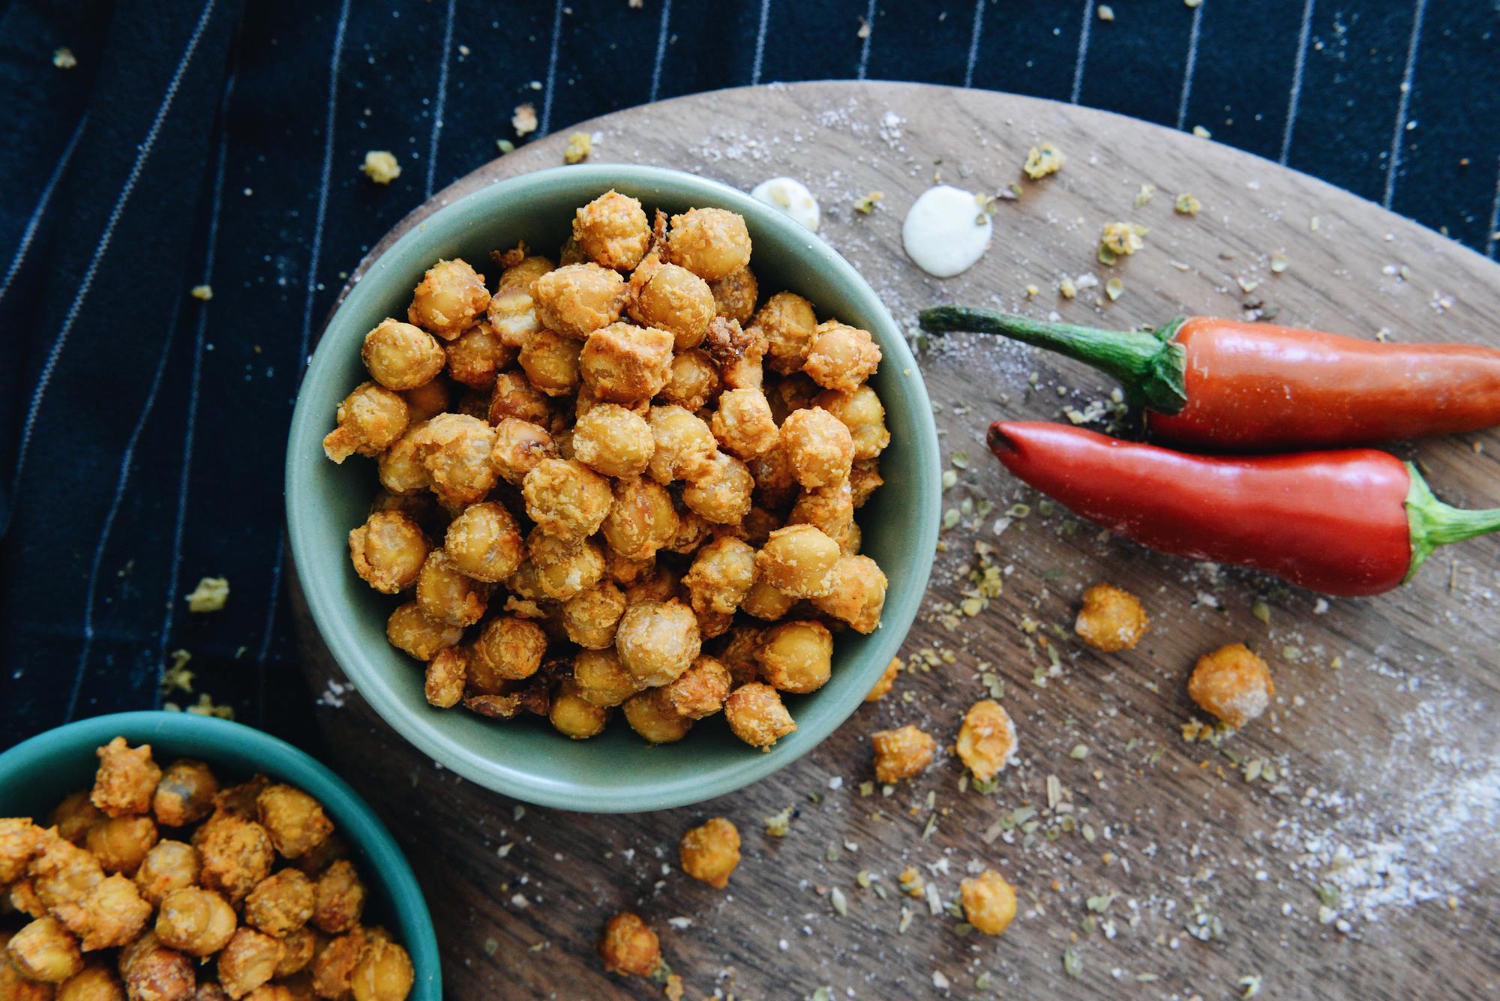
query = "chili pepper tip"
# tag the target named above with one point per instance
(998, 441)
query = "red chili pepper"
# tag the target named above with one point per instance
(1347, 523)
(1222, 384)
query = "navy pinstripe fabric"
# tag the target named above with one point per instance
(217, 142)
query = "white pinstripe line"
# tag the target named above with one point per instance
(551, 68)
(864, 49)
(41, 207)
(1083, 50)
(1295, 95)
(974, 43)
(103, 245)
(442, 97)
(1489, 243)
(1187, 71)
(266, 634)
(661, 47)
(760, 41)
(1393, 167)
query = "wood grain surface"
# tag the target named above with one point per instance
(1364, 868)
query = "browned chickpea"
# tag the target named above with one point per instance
(722, 492)
(623, 363)
(61, 877)
(383, 973)
(249, 960)
(657, 641)
(841, 357)
(21, 839)
(566, 498)
(339, 899)
(830, 509)
(515, 396)
(685, 447)
(185, 794)
(456, 448)
(701, 690)
(694, 380)
(862, 413)
(280, 904)
(737, 653)
(13, 986)
(485, 543)
(301, 945)
(237, 801)
(613, 230)
(710, 852)
(663, 584)
(156, 973)
(401, 356)
(987, 739)
(388, 551)
(168, 866)
(577, 299)
(197, 922)
(476, 355)
(641, 519)
(743, 424)
(125, 780)
(113, 913)
(333, 966)
(692, 530)
(989, 902)
(882, 688)
(476, 402)
(564, 568)
(613, 440)
(600, 679)
(446, 675)
(1233, 684)
(788, 322)
(711, 243)
(507, 649)
(798, 560)
(735, 294)
(758, 526)
(775, 486)
(864, 480)
(369, 419)
(415, 633)
(449, 299)
(738, 351)
(858, 593)
(400, 467)
(574, 716)
(427, 400)
(720, 576)
(511, 312)
(520, 446)
(628, 947)
(590, 617)
(653, 718)
(236, 854)
(714, 624)
(294, 820)
(796, 657)
(447, 596)
(819, 447)
(1111, 619)
(265, 992)
(790, 393)
(550, 361)
(756, 715)
(93, 983)
(764, 601)
(120, 843)
(673, 299)
(44, 951)
(901, 754)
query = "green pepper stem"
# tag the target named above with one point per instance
(1434, 523)
(1150, 365)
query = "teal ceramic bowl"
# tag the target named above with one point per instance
(36, 774)
(527, 759)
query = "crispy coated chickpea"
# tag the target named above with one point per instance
(237, 801)
(383, 973)
(790, 393)
(623, 363)
(367, 421)
(550, 361)
(641, 519)
(653, 718)
(989, 902)
(511, 312)
(735, 294)
(280, 904)
(863, 414)
(901, 754)
(520, 446)
(887, 680)
(185, 794)
(339, 898)
(864, 480)
(401, 356)
(566, 499)
(455, 449)
(737, 653)
(720, 576)
(788, 322)
(1111, 619)
(701, 690)
(72, 818)
(590, 617)
(564, 568)
(61, 877)
(673, 299)
(685, 447)
(987, 739)
(112, 914)
(764, 601)
(93, 983)
(20, 840)
(414, 632)
(600, 679)
(711, 851)
(125, 780)
(1233, 684)
(756, 715)
(475, 356)
(841, 357)
(400, 467)
(738, 351)
(449, 299)
(197, 922)
(485, 543)
(334, 964)
(571, 253)
(22, 899)
(249, 960)
(301, 945)
(721, 493)
(613, 230)
(796, 657)
(694, 380)
(830, 509)
(711, 243)
(858, 594)
(121, 843)
(427, 400)
(775, 486)
(657, 641)
(799, 560)
(236, 854)
(743, 424)
(515, 396)
(168, 866)
(819, 446)
(574, 716)
(614, 441)
(445, 678)
(265, 992)
(294, 820)
(628, 947)
(577, 299)
(692, 531)
(156, 973)
(44, 951)
(13, 986)
(507, 649)
(447, 596)
(388, 551)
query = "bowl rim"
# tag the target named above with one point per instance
(307, 430)
(280, 760)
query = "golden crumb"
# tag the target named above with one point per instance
(989, 902)
(1043, 160)
(1233, 684)
(209, 595)
(1066, 288)
(673, 988)
(524, 120)
(901, 754)
(1201, 132)
(866, 204)
(1187, 204)
(1114, 288)
(580, 145)
(175, 676)
(63, 58)
(1120, 239)
(1144, 195)
(1111, 619)
(202, 293)
(887, 680)
(381, 167)
(911, 882)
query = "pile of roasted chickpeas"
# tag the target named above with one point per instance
(619, 480)
(161, 885)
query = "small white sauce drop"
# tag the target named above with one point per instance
(941, 234)
(790, 197)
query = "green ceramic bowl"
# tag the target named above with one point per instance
(36, 774)
(527, 759)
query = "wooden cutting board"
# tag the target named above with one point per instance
(1155, 862)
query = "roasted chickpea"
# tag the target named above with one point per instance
(861, 411)
(901, 754)
(692, 530)
(566, 498)
(61, 876)
(511, 312)
(613, 441)
(737, 653)
(694, 380)
(721, 493)
(401, 356)
(238, 801)
(427, 400)
(756, 715)
(663, 584)
(185, 794)
(653, 718)
(125, 780)
(628, 947)
(799, 560)
(15, 987)
(265, 992)
(574, 716)
(590, 617)
(1111, 619)
(657, 641)
(987, 739)
(743, 424)
(738, 352)
(333, 965)
(600, 679)
(168, 866)
(476, 355)
(195, 921)
(294, 820)
(92, 983)
(383, 973)
(449, 299)
(236, 855)
(864, 480)
(841, 357)
(44, 951)
(507, 649)
(248, 961)
(455, 449)
(280, 904)
(764, 601)
(72, 818)
(414, 632)
(445, 678)
(121, 843)
(577, 299)
(153, 972)
(673, 299)
(447, 596)
(20, 840)
(301, 945)
(790, 393)
(641, 519)
(515, 396)
(788, 322)
(735, 295)
(400, 467)
(623, 363)
(613, 230)
(711, 243)
(111, 914)
(775, 486)
(711, 851)
(1233, 684)
(369, 419)
(520, 446)
(858, 594)
(830, 509)
(550, 361)
(720, 576)
(796, 657)
(989, 902)
(701, 690)
(564, 568)
(819, 447)
(339, 898)
(685, 447)
(388, 551)
(484, 542)
(887, 681)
